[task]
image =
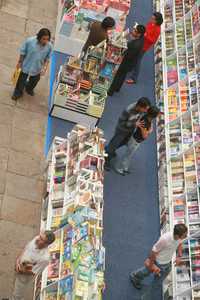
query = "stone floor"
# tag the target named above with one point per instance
(22, 133)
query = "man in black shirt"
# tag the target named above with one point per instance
(129, 61)
(139, 135)
(126, 125)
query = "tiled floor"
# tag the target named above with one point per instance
(22, 133)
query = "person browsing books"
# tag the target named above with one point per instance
(98, 32)
(33, 61)
(153, 29)
(126, 125)
(140, 134)
(31, 262)
(129, 60)
(159, 261)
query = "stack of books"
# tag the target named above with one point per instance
(172, 74)
(175, 139)
(179, 9)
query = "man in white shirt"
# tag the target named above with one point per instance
(159, 261)
(31, 262)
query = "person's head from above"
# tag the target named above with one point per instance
(153, 112)
(157, 18)
(138, 31)
(45, 239)
(143, 105)
(44, 36)
(180, 231)
(108, 23)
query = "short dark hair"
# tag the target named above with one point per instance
(108, 22)
(50, 236)
(143, 102)
(153, 112)
(141, 29)
(159, 18)
(43, 32)
(180, 229)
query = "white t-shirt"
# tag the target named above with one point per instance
(38, 257)
(166, 246)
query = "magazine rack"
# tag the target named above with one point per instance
(75, 212)
(177, 63)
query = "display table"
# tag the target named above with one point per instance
(74, 18)
(75, 97)
(80, 90)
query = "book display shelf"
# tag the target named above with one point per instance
(80, 90)
(73, 208)
(177, 82)
(74, 17)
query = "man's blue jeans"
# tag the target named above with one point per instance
(156, 282)
(135, 72)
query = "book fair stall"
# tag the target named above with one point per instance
(73, 208)
(177, 61)
(73, 204)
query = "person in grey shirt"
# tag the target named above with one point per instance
(33, 61)
(140, 134)
(32, 261)
(128, 121)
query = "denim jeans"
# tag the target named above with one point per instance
(118, 140)
(156, 282)
(135, 72)
(132, 146)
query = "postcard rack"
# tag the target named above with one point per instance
(73, 208)
(177, 83)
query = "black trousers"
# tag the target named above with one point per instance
(118, 80)
(135, 72)
(125, 67)
(23, 83)
(119, 139)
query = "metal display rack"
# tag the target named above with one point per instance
(177, 70)
(73, 208)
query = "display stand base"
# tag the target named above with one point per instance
(73, 116)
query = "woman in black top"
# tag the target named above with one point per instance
(140, 134)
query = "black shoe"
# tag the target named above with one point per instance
(135, 281)
(107, 166)
(31, 93)
(15, 97)
(109, 93)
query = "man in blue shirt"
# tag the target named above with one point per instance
(34, 58)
